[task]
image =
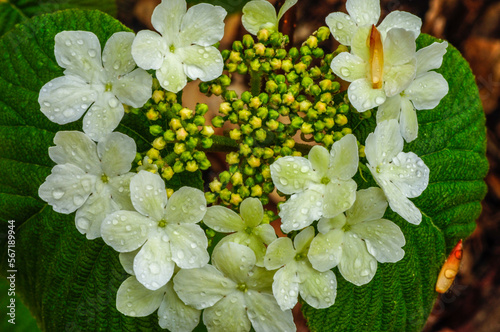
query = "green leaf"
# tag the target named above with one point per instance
(452, 142)
(232, 6)
(17, 11)
(67, 282)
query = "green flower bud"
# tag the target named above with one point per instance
(307, 82)
(211, 198)
(155, 130)
(191, 142)
(315, 72)
(162, 107)
(235, 57)
(296, 122)
(201, 109)
(326, 97)
(305, 50)
(158, 95)
(258, 178)
(185, 156)
(167, 173)
(323, 33)
(282, 88)
(247, 41)
(331, 111)
(289, 143)
(178, 167)
(337, 136)
(305, 105)
(255, 122)
(225, 108)
(204, 87)
(286, 65)
(272, 125)
(237, 46)
(263, 35)
(152, 114)
(249, 182)
(218, 121)
(255, 102)
(233, 118)
(264, 98)
(237, 179)
(248, 170)
(225, 195)
(346, 131)
(329, 57)
(335, 86)
(156, 84)
(365, 115)
(235, 199)
(199, 120)
(268, 153)
(280, 79)
(262, 112)
(329, 123)
(277, 150)
(271, 86)
(344, 109)
(340, 119)
(280, 53)
(294, 53)
(275, 100)
(260, 135)
(230, 95)
(245, 150)
(319, 125)
(234, 168)
(273, 114)
(181, 134)
(231, 67)
(361, 150)
(328, 140)
(247, 129)
(216, 89)
(191, 128)
(318, 137)
(266, 67)
(286, 151)
(225, 54)
(224, 80)
(288, 99)
(169, 136)
(207, 142)
(268, 187)
(255, 65)
(246, 96)
(243, 191)
(244, 114)
(238, 105)
(215, 186)
(224, 177)
(315, 90)
(276, 39)
(242, 69)
(318, 53)
(260, 49)
(307, 128)
(292, 76)
(159, 143)
(199, 156)
(235, 134)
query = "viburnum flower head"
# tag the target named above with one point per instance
(356, 240)
(165, 229)
(247, 227)
(296, 275)
(88, 178)
(367, 13)
(260, 14)
(425, 92)
(235, 294)
(184, 48)
(377, 67)
(135, 300)
(321, 186)
(94, 83)
(401, 175)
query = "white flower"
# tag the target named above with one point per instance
(91, 179)
(357, 240)
(165, 230)
(399, 174)
(378, 67)
(296, 275)
(184, 46)
(322, 186)
(133, 299)
(235, 294)
(367, 12)
(424, 93)
(91, 84)
(249, 229)
(260, 14)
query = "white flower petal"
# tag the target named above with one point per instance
(188, 244)
(79, 52)
(259, 14)
(117, 57)
(390, 109)
(266, 315)
(125, 230)
(251, 211)
(74, 147)
(229, 314)
(344, 158)
(403, 20)
(363, 96)
(356, 265)
(133, 89)
(359, 45)
(149, 49)
(249, 240)
(186, 205)
(326, 250)
(370, 204)
(260, 280)
(167, 17)
(327, 224)
(300, 210)
(384, 143)
(342, 27)
(364, 12)
(153, 264)
(133, 299)
(399, 47)
(318, 289)
(103, 117)
(285, 7)
(202, 25)
(407, 172)
(234, 260)
(201, 62)
(202, 288)
(286, 286)
(399, 203)
(430, 57)
(66, 98)
(66, 188)
(427, 90)
(398, 78)
(174, 315)
(117, 152)
(171, 73)
(383, 239)
(120, 190)
(222, 219)
(339, 196)
(265, 232)
(349, 67)
(292, 174)
(279, 253)
(408, 121)
(127, 261)
(147, 191)
(319, 157)
(303, 240)
(90, 216)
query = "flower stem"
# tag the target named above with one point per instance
(222, 144)
(255, 82)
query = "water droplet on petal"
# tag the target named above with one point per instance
(57, 194)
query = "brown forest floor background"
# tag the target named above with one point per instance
(473, 26)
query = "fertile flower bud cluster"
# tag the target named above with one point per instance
(293, 130)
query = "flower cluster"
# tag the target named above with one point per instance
(252, 278)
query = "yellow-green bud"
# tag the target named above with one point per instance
(253, 161)
(237, 179)
(361, 150)
(275, 64)
(307, 128)
(186, 113)
(216, 89)
(286, 65)
(266, 172)
(312, 42)
(158, 95)
(156, 130)
(225, 195)
(152, 115)
(255, 122)
(245, 150)
(191, 166)
(179, 148)
(170, 97)
(263, 35)
(289, 143)
(235, 199)
(235, 57)
(159, 143)
(320, 107)
(328, 140)
(256, 191)
(225, 177)
(233, 158)
(153, 154)
(305, 105)
(167, 173)
(178, 167)
(181, 134)
(175, 124)
(268, 153)
(255, 102)
(215, 186)
(235, 134)
(329, 123)
(225, 108)
(340, 119)
(288, 98)
(260, 135)
(211, 198)
(346, 131)
(207, 131)
(218, 121)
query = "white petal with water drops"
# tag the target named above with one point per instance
(318, 289)
(408, 122)
(356, 265)
(186, 205)
(266, 315)
(103, 117)
(326, 250)
(171, 75)
(342, 27)
(403, 20)
(147, 191)
(228, 314)
(251, 211)
(188, 244)
(344, 158)
(349, 67)
(300, 210)
(202, 25)
(174, 315)
(292, 174)
(279, 253)
(364, 12)
(222, 219)
(133, 89)
(427, 90)
(363, 97)
(153, 265)
(117, 57)
(370, 204)
(127, 260)
(430, 57)
(234, 260)
(167, 17)
(116, 151)
(149, 49)
(133, 299)
(339, 195)
(125, 230)
(120, 190)
(286, 286)
(259, 14)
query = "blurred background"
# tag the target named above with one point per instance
(472, 26)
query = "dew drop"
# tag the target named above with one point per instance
(92, 53)
(345, 71)
(57, 194)
(113, 102)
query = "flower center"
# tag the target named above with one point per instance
(162, 223)
(108, 87)
(374, 42)
(172, 48)
(346, 228)
(325, 180)
(249, 230)
(242, 287)
(299, 257)
(104, 178)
